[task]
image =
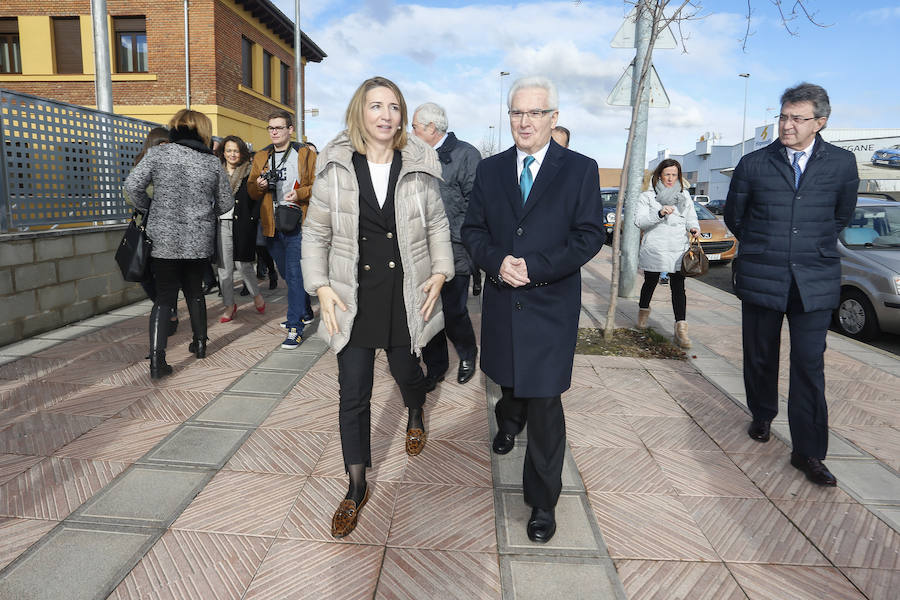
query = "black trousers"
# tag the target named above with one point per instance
(356, 371)
(174, 274)
(542, 472)
(457, 327)
(807, 410)
(676, 282)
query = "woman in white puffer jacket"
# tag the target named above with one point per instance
(376, 251)
(666, 217)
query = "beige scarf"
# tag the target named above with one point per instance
(238, 175)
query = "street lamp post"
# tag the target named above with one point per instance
(491, 133)
(500, 128)
(746, 77)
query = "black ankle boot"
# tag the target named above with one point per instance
(159, 333)
(197, 310)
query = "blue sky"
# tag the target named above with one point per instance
(452, 53)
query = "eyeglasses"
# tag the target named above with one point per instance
(279, 128)
(516, 115)
(794, 119)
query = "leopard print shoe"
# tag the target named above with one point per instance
(415, 441)
(344, 520)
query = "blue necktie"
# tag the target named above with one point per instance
(796, 164)
(525, 180)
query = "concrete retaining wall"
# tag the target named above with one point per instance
(51, 278)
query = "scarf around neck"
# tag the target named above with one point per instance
(668, 196)
(238, 175)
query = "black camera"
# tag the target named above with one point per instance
(271, 177)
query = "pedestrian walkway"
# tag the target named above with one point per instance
(220, 481)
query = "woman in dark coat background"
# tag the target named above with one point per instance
(190, 189)
(237, 229)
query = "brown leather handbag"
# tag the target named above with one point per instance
(694, 262)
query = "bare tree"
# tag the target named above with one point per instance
(487, 145)
(685, 11)
(659, 22)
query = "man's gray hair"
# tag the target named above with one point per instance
(536, 81)
(432, 113)
(809, 92)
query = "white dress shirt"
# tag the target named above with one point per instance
(535, 166)
(803, 159)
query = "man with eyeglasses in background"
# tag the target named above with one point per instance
(458, 160)
(282, 174)
(786, 205)
(535, 217)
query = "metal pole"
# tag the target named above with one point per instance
(500, 127)
(630, 234)
(102, 74)
(746, 77)
(299, 75)
(187, 60)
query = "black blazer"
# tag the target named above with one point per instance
(246, 218)
(528, 334)
(381, 319)
(789, 234)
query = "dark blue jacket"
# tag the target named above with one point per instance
(786, 233)
(528, 334)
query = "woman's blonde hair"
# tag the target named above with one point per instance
(356, 109)
(195, 121)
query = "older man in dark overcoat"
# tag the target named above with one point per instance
(787, 203)
(535, 217)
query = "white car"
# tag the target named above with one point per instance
(702, 200)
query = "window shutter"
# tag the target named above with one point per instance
(67, 44)
(129, 24)
(9, 25)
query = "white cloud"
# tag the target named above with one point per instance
(453, 55)
(879, 15)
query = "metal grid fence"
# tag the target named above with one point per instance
(63, 163)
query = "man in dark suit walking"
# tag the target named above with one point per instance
(787, 204)
(535, 217)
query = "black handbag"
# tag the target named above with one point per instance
(694, 262)
(287, 217)
(133, 253)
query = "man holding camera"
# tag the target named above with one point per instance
(281, 180)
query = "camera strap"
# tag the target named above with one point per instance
(275, 169)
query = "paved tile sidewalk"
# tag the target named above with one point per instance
(219, 482)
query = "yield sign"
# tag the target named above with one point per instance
(621, 94)
(625, 36)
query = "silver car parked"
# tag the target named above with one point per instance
(870, 270)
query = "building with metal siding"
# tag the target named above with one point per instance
(708, 167)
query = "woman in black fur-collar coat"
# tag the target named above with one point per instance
(191, 190)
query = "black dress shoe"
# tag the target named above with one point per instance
(476, 287)
(759, 430)
(431, 382)
(504, 442)
(466, 369)
(815, 469)
(541, 525)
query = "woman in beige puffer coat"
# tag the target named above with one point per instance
(376, 251)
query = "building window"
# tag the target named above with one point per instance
(246, 62)
(267, 74)
(131, 44)
(67, 44)
(285, 84)
(10, 60)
